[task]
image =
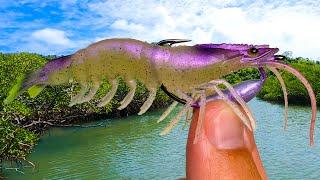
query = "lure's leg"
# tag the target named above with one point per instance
(91, 93)
(124, 103)
(107, 98)
(82, 92)
(189, 112)
(167, 111)
(234, 107)
(178, 117)
(146, 105)
(188, 118)
(239, 100)
(175, 120)
(202, 112)
(232, 104)
(173, 105)
(189, 115)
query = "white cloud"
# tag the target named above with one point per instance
(52, 37)
(289, 25)
(51, 41)
(124, 25)
(293, 26)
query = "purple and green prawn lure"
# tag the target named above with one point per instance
(189, 74)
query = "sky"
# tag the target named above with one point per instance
(62, 27)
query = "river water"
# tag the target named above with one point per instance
(131, 148)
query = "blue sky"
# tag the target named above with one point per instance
(64, 26)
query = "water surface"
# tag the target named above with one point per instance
(131, 148)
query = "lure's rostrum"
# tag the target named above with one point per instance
(189, 72)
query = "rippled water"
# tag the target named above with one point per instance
(131, 148)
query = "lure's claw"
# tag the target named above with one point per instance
(170, 42)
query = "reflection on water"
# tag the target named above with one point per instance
(131, 148)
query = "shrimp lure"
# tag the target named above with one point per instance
(189, 74)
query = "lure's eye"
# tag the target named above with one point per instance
(253, 51)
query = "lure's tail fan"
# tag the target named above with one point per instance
(15, 90)
(24, 83)
(35, 82)
(34, 90)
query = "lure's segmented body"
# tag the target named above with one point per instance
(187, 71)
(181, 68)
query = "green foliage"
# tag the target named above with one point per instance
(242, 75)
(15, 142)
